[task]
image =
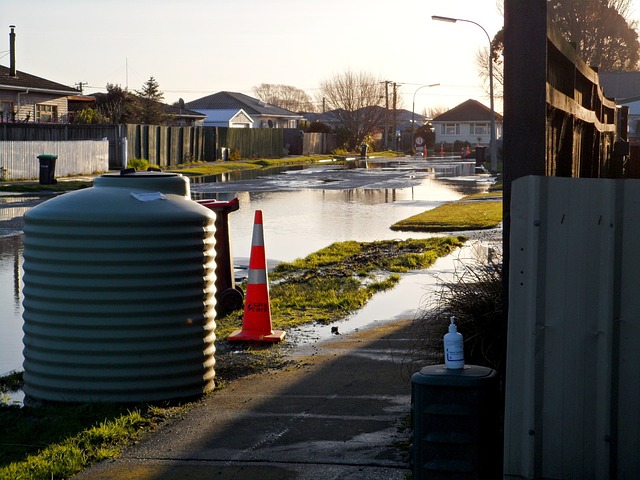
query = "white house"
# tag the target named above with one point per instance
(256, 113)
(468, 122)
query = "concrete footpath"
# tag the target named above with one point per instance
(341, 412)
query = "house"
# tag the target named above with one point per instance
(624, 88)
(27, 98)
(469, 122)
(258, 114)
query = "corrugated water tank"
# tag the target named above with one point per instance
(119, 292)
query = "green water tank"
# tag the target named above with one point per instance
(119, 293)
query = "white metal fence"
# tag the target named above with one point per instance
(19, 160)
(573, 361)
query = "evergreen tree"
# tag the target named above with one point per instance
(148, 108)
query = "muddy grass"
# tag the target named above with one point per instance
(324, 287)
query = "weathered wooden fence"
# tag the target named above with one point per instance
(581, 122)
(115, 134)
(19, 160)
(319, 143)
(164, 146)
(253, 142)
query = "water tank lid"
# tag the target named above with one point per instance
(141, 174)
(469, 376)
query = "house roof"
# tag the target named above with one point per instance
(176, 111)
(24, 81)
(237, 101)
(620, 84)
(468, 111)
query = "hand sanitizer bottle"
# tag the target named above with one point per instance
(453, 347)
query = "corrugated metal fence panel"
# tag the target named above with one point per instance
(628, 356)
(19, 160)
(563, 299)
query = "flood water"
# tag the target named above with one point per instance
(303, 211)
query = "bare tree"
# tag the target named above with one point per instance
(284, 96)
(482, 62)
(357, 100)
(433, 112)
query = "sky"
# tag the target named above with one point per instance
(194, 48)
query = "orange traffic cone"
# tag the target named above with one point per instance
(256, 325)
(424, 152)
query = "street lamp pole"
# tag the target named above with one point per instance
(413, 109)
(492, 142)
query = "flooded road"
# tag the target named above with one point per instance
(303, 210)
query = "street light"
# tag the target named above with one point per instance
(413, 109)
(492, 142)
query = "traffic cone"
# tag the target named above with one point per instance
(256, 325)
(424, 152)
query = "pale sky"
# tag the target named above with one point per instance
(194, 48)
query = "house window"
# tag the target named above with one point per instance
(6, 111)
(450, 129)
(46, 113)
(479, 129)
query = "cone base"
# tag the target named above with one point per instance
(248, 336)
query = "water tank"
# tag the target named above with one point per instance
(119, 292)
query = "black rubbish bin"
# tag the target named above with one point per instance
(456, 423)
(363, 150)
(47, 169)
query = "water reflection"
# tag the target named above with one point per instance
(10, 303)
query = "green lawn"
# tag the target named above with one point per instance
(475, 212)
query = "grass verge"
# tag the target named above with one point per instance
(58, 441)
(474, 212)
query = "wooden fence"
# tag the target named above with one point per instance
(164, 146)
(19, 160)
(319, 143)
(581, 122)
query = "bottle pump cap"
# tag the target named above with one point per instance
(452, 326)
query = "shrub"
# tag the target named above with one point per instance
(138, 163)
(234, 154)
(474, 295)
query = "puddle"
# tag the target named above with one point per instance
(403, 302)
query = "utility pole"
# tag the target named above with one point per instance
(395, 126)
(80, 85)
(386, 116)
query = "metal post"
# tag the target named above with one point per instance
(413, 108)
